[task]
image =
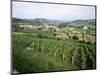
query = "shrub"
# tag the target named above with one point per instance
(58, 38)
(89, 42)
(54, 34)
(75, 37)
(81, 41)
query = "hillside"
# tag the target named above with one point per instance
(60, 22)
(84, 22)
(37, 21)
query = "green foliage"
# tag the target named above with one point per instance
(36, 50)
(75, 37)
(54, 34)
(46, 54)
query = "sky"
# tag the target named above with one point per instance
(26, 10)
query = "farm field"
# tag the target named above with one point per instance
(39, 51)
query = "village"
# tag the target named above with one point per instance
(65, 32)
(44, 26)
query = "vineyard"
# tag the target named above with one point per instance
(33, 54)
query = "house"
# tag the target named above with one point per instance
(44, 26)
(25, 25)
(51, 26)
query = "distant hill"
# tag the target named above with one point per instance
(84, 22)
(16, 20)
(39, 21)
(43, 20)
(29, 21)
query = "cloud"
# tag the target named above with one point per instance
(52, 11)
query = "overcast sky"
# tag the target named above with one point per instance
(25, 10)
